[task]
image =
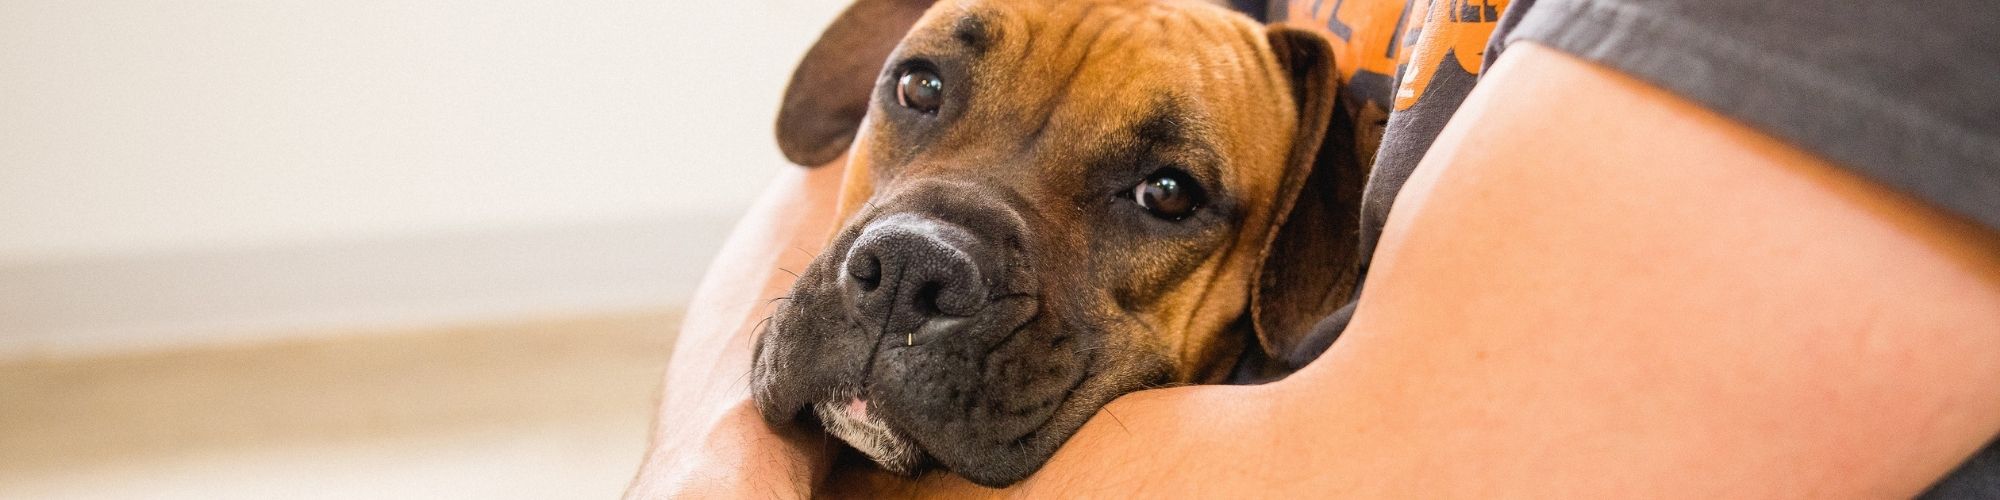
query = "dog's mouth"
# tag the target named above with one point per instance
(846, 416)
(889, 422)
(851, 422)
(874, 432)
(990, 412)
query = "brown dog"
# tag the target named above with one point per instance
(1050, 204)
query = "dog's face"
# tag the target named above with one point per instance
(1049, 204)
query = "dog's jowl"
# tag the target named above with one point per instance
(1050, 204)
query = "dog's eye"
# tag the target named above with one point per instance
(919, 89)
(1168, 194)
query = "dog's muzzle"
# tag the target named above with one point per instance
(921, 279)
(920, 337)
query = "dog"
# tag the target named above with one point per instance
(1049, 204)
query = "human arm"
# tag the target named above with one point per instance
(708, 440)
(1594, 287)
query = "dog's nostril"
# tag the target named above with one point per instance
(867, 271)
(925, 302)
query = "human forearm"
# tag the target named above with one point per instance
(708, 437)
(1592, 288)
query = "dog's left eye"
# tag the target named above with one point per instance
(919, 89)
(1169, 194)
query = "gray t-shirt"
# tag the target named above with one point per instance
(1905, 93)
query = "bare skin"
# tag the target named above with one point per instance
(1589, 287)
(708, 441)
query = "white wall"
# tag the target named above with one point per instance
(147, 147)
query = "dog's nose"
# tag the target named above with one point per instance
(917, 275)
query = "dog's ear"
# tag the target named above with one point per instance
(828, 95)
(1309, 266)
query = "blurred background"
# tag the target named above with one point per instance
(363, 249)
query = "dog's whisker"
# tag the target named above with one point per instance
(749, 303)
(1114, 418)
(788, 271)
(758, 329)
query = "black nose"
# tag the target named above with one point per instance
(917, 275)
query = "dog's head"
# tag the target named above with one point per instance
(1048, 204)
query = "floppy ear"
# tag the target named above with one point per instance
(829, 91)
(1309, 263)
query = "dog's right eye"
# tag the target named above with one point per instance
(1169, 194)
(919, 89)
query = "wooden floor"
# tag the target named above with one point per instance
(556, 409)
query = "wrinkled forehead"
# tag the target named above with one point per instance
(1150, 40)
(1108, 68)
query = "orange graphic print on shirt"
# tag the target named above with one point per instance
(1399, 41)
(1458, 28)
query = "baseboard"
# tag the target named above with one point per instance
(138, 303)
